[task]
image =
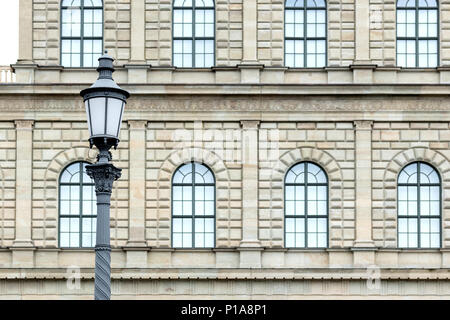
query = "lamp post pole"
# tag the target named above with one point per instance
(105, 102)
(104, 174)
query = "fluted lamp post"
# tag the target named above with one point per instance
(104, 102)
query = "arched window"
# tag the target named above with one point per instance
(419, 207)
(81, 32)
(306, 207)
(193, 207)
(77, 207)
(417, 33)
(193, 33)
(305, 38)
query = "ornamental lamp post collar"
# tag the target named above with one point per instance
(105, 102)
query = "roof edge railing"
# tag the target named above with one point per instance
(7, 75)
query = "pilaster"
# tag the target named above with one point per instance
(137, 32)
(137, 157)
(362, 32)
(250, 29)
(137, 68)
(362, 66)
(23, 245)
(250, 255)
(364, 245)
(250, 68)
(25, 32)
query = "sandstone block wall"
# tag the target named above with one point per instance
(7, 182)
(331, 145)
(170, 144)
(55, 146)
(395, 144)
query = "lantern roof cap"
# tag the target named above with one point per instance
(105, 81)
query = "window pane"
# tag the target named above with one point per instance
(412, 208)
(177, 240)
(209, 193)
(64, 240)
(321, 240)
(75, 60)
(403, 240)
(177, 225)
(410, 60)
(401, 16)
(74, 240)
(299, 192)
(413, 240)
(300, 240)
(312, 240)
(98, 30)
(187, 240)
(199, 208)
(64, 225)
(289, 16)
(199, 240)
(209, 240)
(290, 193)
(401, 30)
(187, 225)
(209, 225)
(98, 16)
(299, 208)
(187, 208)
(88, 240)
(312, 208)
(290, 240)
(290, 225)
(434, 240)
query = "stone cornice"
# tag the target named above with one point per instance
(233, 273)
(201, 89)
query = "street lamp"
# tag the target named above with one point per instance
(104, 102)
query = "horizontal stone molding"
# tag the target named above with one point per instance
(241, 101)
(233, 274)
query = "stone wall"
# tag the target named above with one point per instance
(395, 144)
(219, 145)
(331, 145)
(171, 144)
(229, 33)
(139, 36)
(55, 146)
(7, 182)
(383, 32)
(46, 31)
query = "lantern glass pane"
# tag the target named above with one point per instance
(114, 116)
(96, 109)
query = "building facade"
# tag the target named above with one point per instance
(270, 149)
